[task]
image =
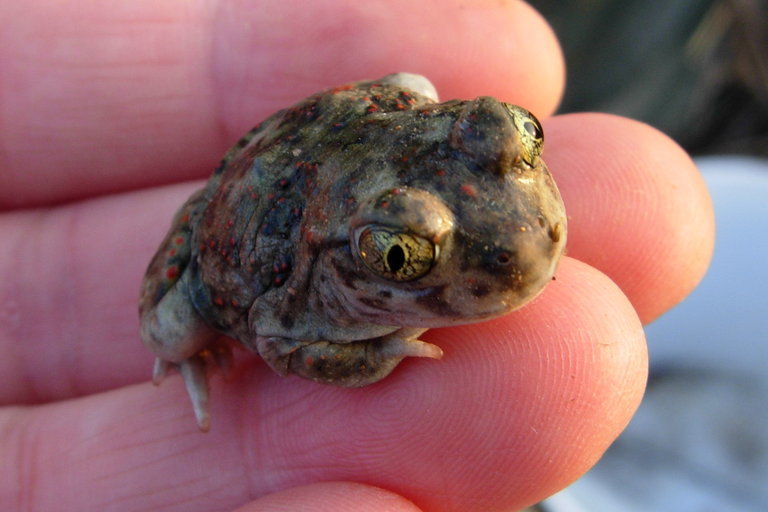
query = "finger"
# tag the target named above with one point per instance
(69, 285)
(331, 497)
(102, 99)
(518, 408)
(637, 206)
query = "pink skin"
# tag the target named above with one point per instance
(120, 98)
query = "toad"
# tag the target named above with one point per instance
(337, 231)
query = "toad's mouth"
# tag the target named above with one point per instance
(437, 306)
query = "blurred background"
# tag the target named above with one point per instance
(695, 69)
(698, 71)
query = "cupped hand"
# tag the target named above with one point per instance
(105, 108)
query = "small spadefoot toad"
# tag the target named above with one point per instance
(338, 230)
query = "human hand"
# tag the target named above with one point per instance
(104, 105)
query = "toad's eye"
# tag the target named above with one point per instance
(395, 255)
(531, 133)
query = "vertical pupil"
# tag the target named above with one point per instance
(395, 258)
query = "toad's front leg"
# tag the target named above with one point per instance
(350, 364)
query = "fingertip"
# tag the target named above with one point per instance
(519, 407)
(638, 208)
(501, 49)
(516, 58)
(332, 497)
(574, 366)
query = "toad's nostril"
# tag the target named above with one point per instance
(503, 258)
(501, 261)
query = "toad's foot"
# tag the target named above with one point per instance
(350, 364)
(194, 370)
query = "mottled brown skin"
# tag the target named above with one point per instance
(335, 232)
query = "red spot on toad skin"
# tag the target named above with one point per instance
(468, 190)
(440, 172)
(341, 88)
(218, 301)
(178, 240)
(172, 272)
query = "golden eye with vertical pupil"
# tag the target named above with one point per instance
(395, 255)
(531, 133)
